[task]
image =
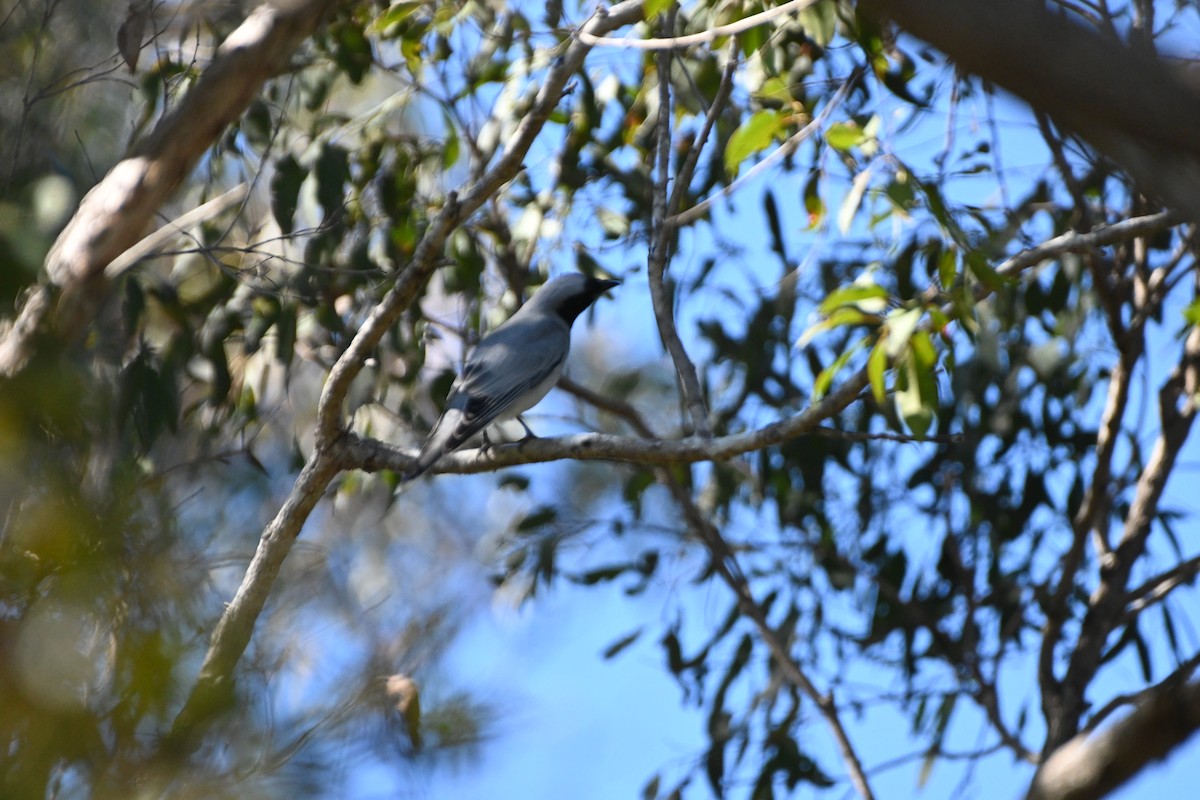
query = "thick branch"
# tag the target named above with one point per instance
(372, 455)
(115, 213)
(1130, 105)
(1093, 766)
(214, 685)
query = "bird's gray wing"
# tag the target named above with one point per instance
(510, 362)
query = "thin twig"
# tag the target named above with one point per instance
(668, 43)
(688, 169)
(785, 149)
(175, 228)
(618, 408)
(725, 563)
(1157, 588)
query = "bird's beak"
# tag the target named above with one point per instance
(605, 285)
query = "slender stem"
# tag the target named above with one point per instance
(725, 563)
(659, 255)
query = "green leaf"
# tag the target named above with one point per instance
(1192, 313)
(876, 368)
(980, 268)
(844, 136)
(901, 324)
(820, 22)
(285, 191)
(843, 316)
(451, 148)
(900, 191)
(924, 351)
(752, 136)
(333, 170)
(393, 16)
(616, 647)
(825, 379)
(539, 517)
(775, 89)
(813, 203)
(947, 267)
(869, 297)
(913, 402)
(654, 8)
(752, 39)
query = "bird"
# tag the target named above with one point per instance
(513, 367)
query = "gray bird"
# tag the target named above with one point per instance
(513, 367)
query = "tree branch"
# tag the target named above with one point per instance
(1158, 587)
(114, 214)
(372, 455)
(725, 563)
(660, 253)
(1088, 767)
(669, 43)
(618, 408)
(1177, 409)
(1179, 676)
(683, 179)
(1127, 103)
(213, 689)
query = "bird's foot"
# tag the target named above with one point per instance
(529, 434)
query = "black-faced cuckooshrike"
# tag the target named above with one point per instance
(513, 367)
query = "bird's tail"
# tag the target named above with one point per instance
(442, 439)
(424, 460)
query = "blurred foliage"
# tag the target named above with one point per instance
(138, 469)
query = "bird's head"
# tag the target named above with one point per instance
(569, 295)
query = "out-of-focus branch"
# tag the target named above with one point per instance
(687, 170)
(1074, 242)
(618, 408)
(1088, 767)
(114, 215)
(177, 227)
(672, 42)
(1127, 103)
(213, 688)
(1177, 678)
(1155, 589)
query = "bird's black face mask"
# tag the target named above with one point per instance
(572, 308)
